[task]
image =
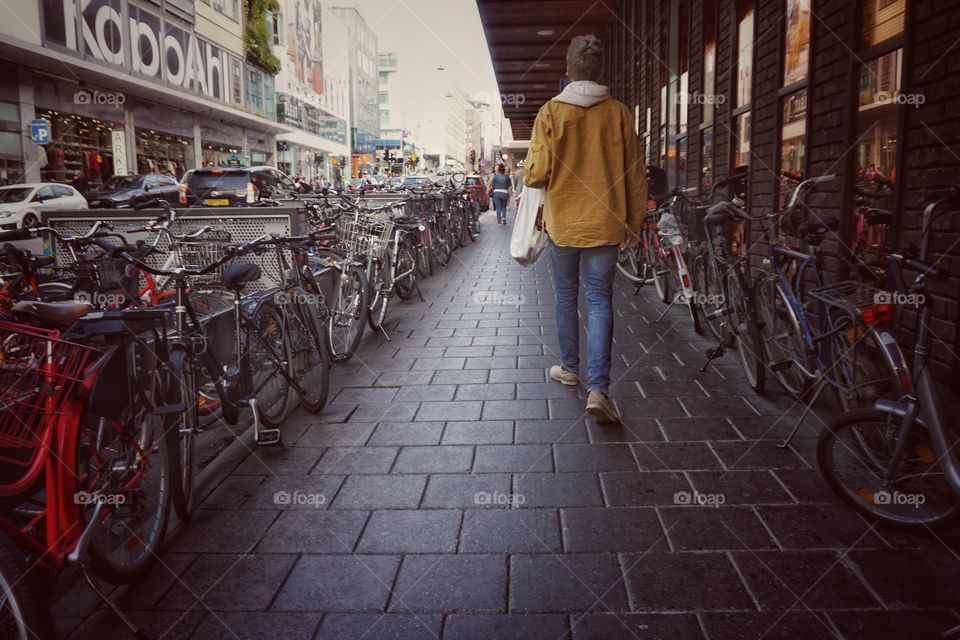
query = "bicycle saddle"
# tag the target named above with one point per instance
(56, 312)
(878, 216)
(818, 227)
(237, 275)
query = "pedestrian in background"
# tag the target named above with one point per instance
(518, 182)
(80, 183)
(584, 150)
(500, 186)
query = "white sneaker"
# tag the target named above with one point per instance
(563, 376)
(600, 407)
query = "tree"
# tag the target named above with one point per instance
(257, 34)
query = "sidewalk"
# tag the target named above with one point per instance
(451, 491)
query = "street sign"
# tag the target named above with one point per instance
(40, 131)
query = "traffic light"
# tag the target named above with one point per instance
(413, 158)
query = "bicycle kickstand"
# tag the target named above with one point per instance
(137, 633)
(716, 352)
(261, 436)
(664, 312)
(817, 389)
(637, 286)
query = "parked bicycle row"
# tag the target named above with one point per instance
(113, 362)
(817, 319)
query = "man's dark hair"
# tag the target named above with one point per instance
(585, 58)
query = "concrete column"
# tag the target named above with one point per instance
(197, 144)
(27, 113)
(130, 138)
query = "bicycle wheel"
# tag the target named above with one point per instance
(442, 242)
(854, 453)
(424, 257)
(473, 224)
(858, 361)
(379, 289)
(711, 294)
(690, 297)
(268, 356)
(348, 313)
(309, 357)
(127, 466)
(406, 264)
(783, 342)
(660, 267)
(745, 329)
(180, 431)
(458, 228)
(632, 264)
(23, 610)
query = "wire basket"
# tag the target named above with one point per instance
(104, 274)
(38, 371)
(852, 296)
(362, 234)
(199, 253)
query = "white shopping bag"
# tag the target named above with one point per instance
(529, 238)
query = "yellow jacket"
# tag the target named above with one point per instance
(584, 150)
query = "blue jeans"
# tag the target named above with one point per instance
(599, 265)
(500, 203)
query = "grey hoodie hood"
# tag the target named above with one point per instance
(583, 93)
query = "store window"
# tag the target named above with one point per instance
(683, 105)
(81, 144)
(11, 152)
(216, 154)
(793, 100)
(744, 84)
(709, 97)
(163, 153)
(882, 20)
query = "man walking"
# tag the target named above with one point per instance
(584, 150)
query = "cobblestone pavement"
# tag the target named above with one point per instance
(451, 491)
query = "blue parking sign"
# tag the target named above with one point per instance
(40, 131)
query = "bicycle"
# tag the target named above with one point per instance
(844, 348)
(896, 462)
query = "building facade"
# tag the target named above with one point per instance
(473, 139)
(388, 64)
(862, 89)
(312, 90)
(126, 88)
(361, 54)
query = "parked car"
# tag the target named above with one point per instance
(396, 181)
(235, 186)
(355, 184)
(21, 204)
(417, 182)
(120, 192)
(477, 190)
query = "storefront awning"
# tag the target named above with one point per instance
(528, 42)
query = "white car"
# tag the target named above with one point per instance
(21, 204)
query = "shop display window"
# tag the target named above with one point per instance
(78, 144)
(163, 153)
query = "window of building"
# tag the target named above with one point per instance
(882, 20)
(11, 152)
(744, 83)
(708, 95)
(229, 8)
(384, 97)
(793, 96)
(683, 104)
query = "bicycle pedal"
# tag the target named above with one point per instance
(781, 365)
(266, 437)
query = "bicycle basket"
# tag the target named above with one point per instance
(38, 371)
(855, 298)
(362, 234)
(104, 274)
(199, 253)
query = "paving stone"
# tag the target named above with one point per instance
(257, 626)
(273, 461)
(338, 583)
(171, 625)
(478, 432)
(228, 582)
(466, 491)
(232, 492)
(369, 626)
(314, 532)
(478, 351)
(569, 582)
(546, 391)
(506, 627)
(350, 460)
(429, 393)
(380, 492)
(559, 489)
(395, 411)
(451, 583)
(634, 430)
(465, 410)
(870, 625)
(517, 375)
(430, 531)
(219, 531)
(403, 378)
(757, 454)
(514, 410)
(150, 589)
(406, 433)
(740, 487)
(806, 485)
(358, 396)
(640, 489)
(613, 530)
(445, 459)
(665, 582)
(493, 391)
(709, 429)
(771, 625)
(438, 364)
(550, 431)
(354, 434)
(465, 376)
(634, 626)
(714, 528)
(523, 458)
(818, 526)
(511, 531)
(909, 579)
(495, 341)
(518, 350)
(594, 457)
(676, 456)
(295, 492)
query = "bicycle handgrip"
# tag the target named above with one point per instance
(15, 234)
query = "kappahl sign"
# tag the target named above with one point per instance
(122, 34)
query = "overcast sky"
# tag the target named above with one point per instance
(427, 34)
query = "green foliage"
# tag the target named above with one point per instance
(257, 34)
